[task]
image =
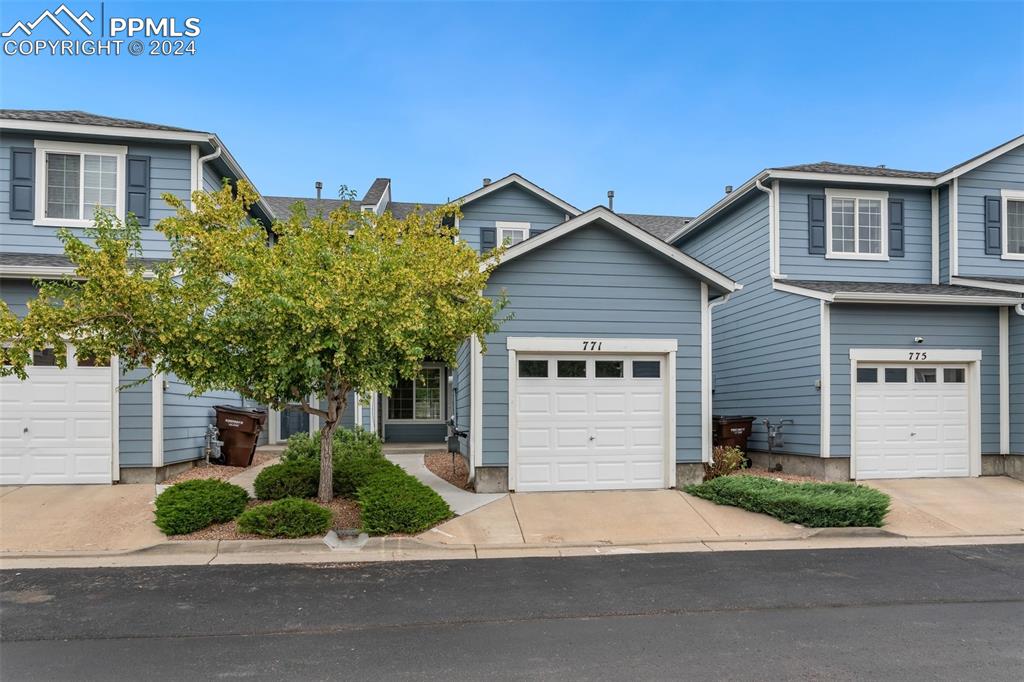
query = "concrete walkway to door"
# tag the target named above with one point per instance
(605, 518)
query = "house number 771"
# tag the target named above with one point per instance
(591, 345)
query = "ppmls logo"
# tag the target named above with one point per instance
(165, 35)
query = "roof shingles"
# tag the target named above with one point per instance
(84, 118)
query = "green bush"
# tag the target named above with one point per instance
(392, 501)
(193, 505)
(287, 518)
(816, 505)
(724, 461)
(347, 442)
(352, 472)
(294, 478)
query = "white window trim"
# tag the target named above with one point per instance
(506, 225)
(882, 197)
(936, 356)
(44, 147)
(441, 387)
(1007, 196)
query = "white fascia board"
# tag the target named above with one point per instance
(902, 355)
(545, 344)
(104, 131)
(927, 299)
(515, 178)
(716, 208)
(968, 166)
(600, 212)
(854, 179)
(985, 284)
(40, 271)
(801, 291)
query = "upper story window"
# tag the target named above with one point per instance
(75, 180)
(1013, 225)
(510, 233)
(856, 224)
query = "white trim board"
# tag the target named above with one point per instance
(157, 412)
(909, 356)
(987, 284)
(476, 403)
(601, 213)
(831, 194)
(825, 380)
(45, 147)
(1006, 196)
(920, 299)
(516, 179)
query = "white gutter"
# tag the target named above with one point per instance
(772, 246)
(1019, 309)
(201, 162)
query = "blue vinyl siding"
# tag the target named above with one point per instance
(796, 263)
(212, 178)
(135, 420)
(595, 282)
(944, 234)
(765, 343)
(861, 326)
(463, 392)
(169, 172)
(1016, 383)
(186, 419)
(1004, 172)
(16, 293)
(511, 203)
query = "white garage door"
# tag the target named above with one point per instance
(585, 423)
(55, 427)
(912, 421)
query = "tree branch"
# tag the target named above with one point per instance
(313, 410)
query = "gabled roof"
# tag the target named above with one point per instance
(838, 172)
(602, 215)
(84, 118)
(516, 179)
(282, 206)
(661, 226)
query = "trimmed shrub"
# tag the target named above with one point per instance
(351, 473)
(724, 461)
(392, 501)
(287, 518)
(816, 505)
(294, 478)
(193, 505)
(347, 442)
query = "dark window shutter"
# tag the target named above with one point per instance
(488, 238)
(994, 226)
(534, 233)
(137, 187)
(896, 246)
(816, 225)
(23, 182)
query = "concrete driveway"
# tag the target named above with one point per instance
(605, 517)
(84, 518)
(932, 507)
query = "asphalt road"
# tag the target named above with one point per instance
(942, 613)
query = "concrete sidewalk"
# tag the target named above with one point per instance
(460, 501)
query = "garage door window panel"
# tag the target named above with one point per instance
(647, 369)
(895, 375)
(867, 375)
(572, 369)
(954, 375)
(925, 375)
(608, 369)
(533, 369)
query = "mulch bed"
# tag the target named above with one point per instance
(777, 475)
(344, 511)
(440, 463)
(219, 471)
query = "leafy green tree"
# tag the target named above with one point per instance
(342, 302)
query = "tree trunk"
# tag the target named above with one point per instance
(335, 408)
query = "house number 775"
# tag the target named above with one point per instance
(918, 355)
(591, 345)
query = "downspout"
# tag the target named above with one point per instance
(217, 149)
(1019, 309)
(771, 229)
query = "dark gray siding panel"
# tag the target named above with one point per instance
(595, 282)
(765, 345)
(510, 203)
(1016, 384)
(1004, 172)
(416, 433)
(861, 326)
(797, 263)
(944, 234)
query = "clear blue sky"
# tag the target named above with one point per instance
(665, 102)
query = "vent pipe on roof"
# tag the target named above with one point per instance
(728, 189)
(611, 199)
(487, 181)
(319, 188)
